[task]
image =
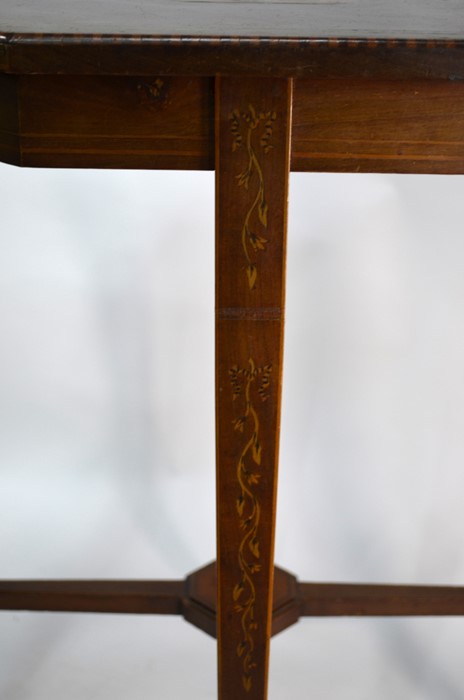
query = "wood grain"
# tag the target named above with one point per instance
(360, 38)
(252, 167)
(117, 122)
(340, 599)
(409, 126)
(379, 87)
(378, 126)
(193, 55)
(195, 598)
(141, 597)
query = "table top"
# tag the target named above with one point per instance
(382, 19)
(228, 35)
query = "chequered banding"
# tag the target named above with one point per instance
(184, 40)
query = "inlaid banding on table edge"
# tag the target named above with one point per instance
(330, 42)
(250, 314)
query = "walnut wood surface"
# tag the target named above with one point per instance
(253, 138)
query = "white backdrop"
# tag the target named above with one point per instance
(107, 425)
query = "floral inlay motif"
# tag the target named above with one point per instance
(247, 504)
(243, 126)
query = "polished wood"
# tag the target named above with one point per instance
(141, 597)
(195, 598)
(116, 122)
(200, 604)
(312, 38)
(409, 126)
(193, 55)
(200, 84)
(253, 150)
(340, 599)
(364, 125)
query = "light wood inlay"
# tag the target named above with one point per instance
(253, 141)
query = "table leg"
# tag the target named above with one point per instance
(252, 167)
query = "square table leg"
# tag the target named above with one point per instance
(253, 125)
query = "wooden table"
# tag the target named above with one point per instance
(252, 89)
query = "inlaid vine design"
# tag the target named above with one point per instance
(243, 126)
(243, 381)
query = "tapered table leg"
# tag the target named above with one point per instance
(252, 167)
